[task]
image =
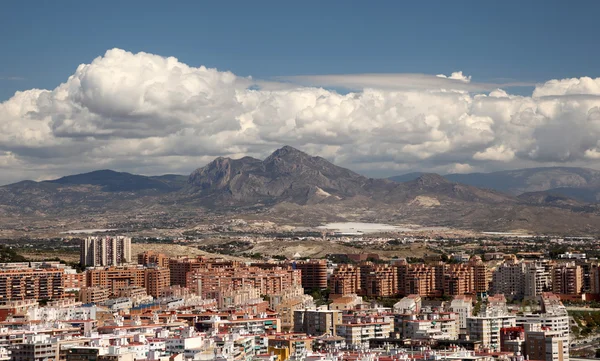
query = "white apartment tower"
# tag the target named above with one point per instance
(105, 251)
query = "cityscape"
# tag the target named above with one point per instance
(152, 306)
(299, 181)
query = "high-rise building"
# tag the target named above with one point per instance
(314, 273)
(211, 277)
(509, 279)
(378, 280)
(458, 280)
(345, 280)
(481, 275)
(463, 306)
(486, 326)
(420, 280)
(180, 267)
(536, 280)
(105, 251)
(567, 278)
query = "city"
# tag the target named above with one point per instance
(151, 306)
(299, 180)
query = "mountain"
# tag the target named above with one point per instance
(581, 184)
(290, 175)
(286, 175)
(289, 186)
(112, 181)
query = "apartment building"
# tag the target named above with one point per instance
(537, 279)
(317, 322)
(345, 280)
(105, 251)
(116, 278)
(567, 279)
(463, 306)
(554, 316)
(420, 279)
(359, 333)
(546, 344)
(29, 283)
(481, 275)
(151, 258)
(180, 267)
(94, 294)
(509, 279)
(211, 277)
(427, 326)
(378, 280)
(458, 279)
(35, 348)
(314, 273)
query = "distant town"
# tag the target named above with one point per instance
(486, 297)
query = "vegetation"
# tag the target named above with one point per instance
(588, 322)
(321, 296)
(7, 254)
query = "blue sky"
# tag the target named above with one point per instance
(42, 42)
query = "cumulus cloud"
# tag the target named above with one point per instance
(150, 114)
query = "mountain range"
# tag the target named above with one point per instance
(293, 187)
(581, 184)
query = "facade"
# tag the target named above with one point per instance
(105, 251)
(314, 273)
(458, 280)
(209, 278)
(487, 328)
(508, 279)
(35, 348)
(117, 278)
(567, 279)
(427, 326)
(345, 280)
(537, 279)
(151, 258)
(378, 280)
(317, 322)
(29, 283)
(463, 307)
(546, 345)
(359, 333)
(481, 275)
(94, 294)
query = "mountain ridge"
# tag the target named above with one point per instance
(292, 186)
(581, 184)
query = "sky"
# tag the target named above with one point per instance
(164, 87)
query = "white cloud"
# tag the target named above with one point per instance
(150, 114)
(457, 75)
(497, 153)
(460, 168)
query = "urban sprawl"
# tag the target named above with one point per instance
(346, 307)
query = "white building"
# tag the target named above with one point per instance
(463, 307)
(360, 333)
(536, 280)
(509, 279)
(487, 328)
(105, 251)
